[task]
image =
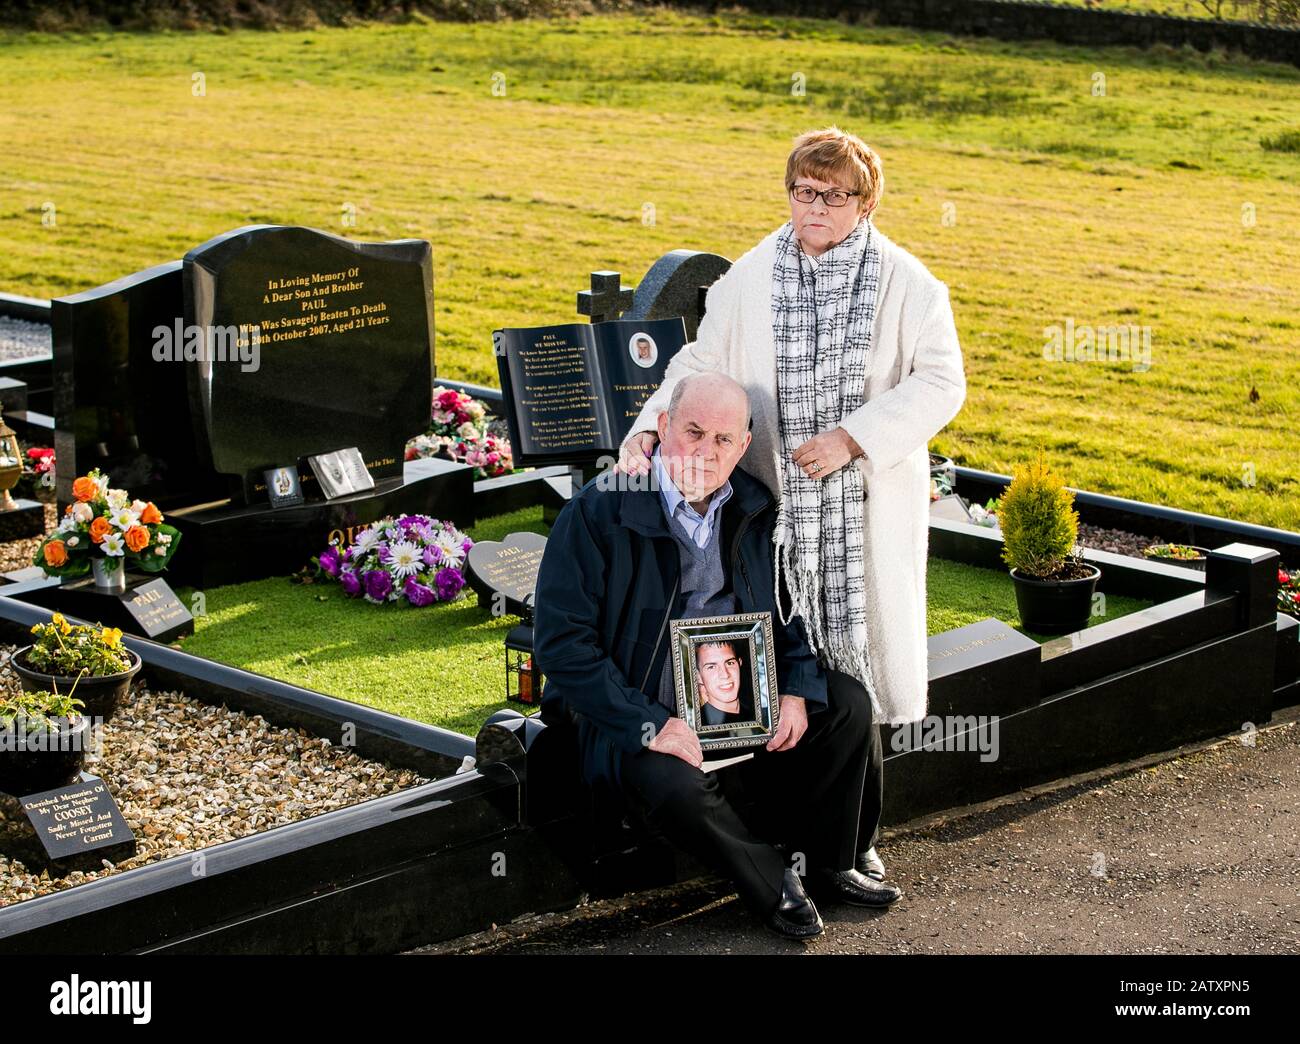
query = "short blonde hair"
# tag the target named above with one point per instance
(835, 155)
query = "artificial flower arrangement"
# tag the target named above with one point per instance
(65, 650)
(414, 557)
(1288, 591)
(458, 430)
(106, 523)
(41, 466)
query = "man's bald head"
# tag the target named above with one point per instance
(704, 433)
(716, 386)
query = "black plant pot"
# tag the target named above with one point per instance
(1055, 606)
(30, 770)
(101, 695)
(1186, 563)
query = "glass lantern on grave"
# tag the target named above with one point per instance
(523, 678)
(11, 465)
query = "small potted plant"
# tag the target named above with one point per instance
(43, 739)
(64, 654)
(1180, 554)
(1054, 585)
(103, 532)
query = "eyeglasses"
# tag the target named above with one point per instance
(833, 197)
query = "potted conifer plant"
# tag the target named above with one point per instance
(1054, 585)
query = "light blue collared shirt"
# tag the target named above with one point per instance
(676, 506)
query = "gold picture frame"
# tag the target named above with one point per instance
(721, 663)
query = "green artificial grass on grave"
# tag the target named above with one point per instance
(445, 664)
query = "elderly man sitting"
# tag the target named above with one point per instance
(619, 565)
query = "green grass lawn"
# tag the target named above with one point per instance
(1041, 182)
(445, 664)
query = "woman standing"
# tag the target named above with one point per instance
(846, 345)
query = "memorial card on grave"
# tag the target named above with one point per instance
(79, 825)
(572, 391)
(504, 572)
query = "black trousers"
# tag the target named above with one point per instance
(821, 799)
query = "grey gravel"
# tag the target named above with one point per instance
(20, 339)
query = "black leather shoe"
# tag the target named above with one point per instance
(850, 886)
(869, 863)
(795, 916)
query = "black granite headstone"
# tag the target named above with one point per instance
(327, 343)
(115, 407)
(504, 573)
(79, 824)
(672, 286)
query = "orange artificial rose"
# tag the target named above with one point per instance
(55, 553)
(100, 527)
(137, 538)
(85, 488)
(150, 515)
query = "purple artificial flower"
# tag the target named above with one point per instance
(378, 584)
(385, 555)
(417, 593)
(466, 545)
(449, 581)
(329, 561)
(431, 556)
(351, 585)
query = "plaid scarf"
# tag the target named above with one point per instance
(819, 529)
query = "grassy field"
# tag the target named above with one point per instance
(1042, 183)
(445, 664)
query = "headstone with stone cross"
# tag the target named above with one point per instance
(605, 300)
(676, 285)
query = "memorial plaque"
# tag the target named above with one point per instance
(157, 612)
(314, 344)
(572, 391)
(79, 824)
(504, 573)
(987, 667)
(951, 507)
(148, 607)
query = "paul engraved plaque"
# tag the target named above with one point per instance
(160, 615)
(80, 819)
(504, 573)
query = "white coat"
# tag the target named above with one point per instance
(915, 386)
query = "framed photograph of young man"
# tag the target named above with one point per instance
(724, 671)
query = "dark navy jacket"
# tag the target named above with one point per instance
(608, 584)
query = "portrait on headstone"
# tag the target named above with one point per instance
(643, 350)
(724, 673)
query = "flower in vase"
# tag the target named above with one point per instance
(113, 545)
